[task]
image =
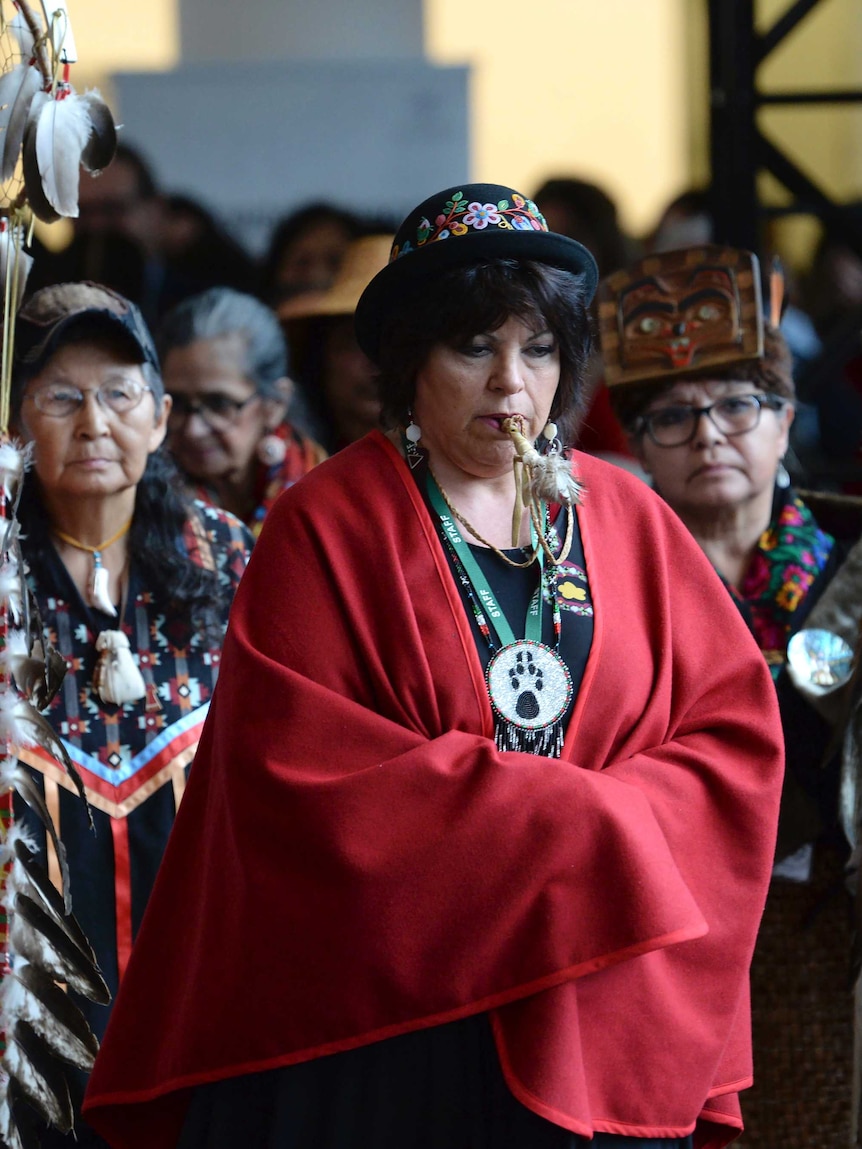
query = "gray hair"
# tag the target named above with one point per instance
(221, 312)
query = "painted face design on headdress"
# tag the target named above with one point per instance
(680, 312)
(667, 319)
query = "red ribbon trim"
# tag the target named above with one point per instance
(122, 892)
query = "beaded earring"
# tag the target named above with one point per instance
(549, 434)
(412, 435)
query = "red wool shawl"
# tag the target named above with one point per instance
(355, 859)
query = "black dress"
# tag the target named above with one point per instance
(439, 1088)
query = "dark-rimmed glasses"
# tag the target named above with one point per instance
(59, 400)
(218, 411)
(676, 425)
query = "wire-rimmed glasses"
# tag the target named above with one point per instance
(59, 400)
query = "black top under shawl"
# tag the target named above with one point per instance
(513, 588)
(438, 1088)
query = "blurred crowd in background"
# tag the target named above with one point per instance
(160, 249)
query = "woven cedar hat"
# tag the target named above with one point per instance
(362, 260)
(462, 225)
(681, 313)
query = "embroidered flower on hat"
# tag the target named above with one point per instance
(479, 215)
(397, 251)
(458, 217)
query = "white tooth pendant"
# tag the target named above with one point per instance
(99, 596)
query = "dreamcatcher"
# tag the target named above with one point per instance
(47, 133)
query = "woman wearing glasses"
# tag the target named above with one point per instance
(133, 583)
(706, 393)
(714, 449)
(225, 367)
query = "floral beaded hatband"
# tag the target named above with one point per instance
(465, 224)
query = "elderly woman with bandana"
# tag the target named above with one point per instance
(133, 583)
(479, 832)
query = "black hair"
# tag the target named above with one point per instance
(309, 360)
(454, 307)
(188, 205)
(593, 219)
(156, 540)
(693, 201)
(147, 188)
(178, 586)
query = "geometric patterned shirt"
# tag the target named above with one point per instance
(133, 758)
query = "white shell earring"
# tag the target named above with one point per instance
(271, 450)
(782, 476)
(412, 435)
(551, 444)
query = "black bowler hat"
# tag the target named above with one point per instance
(465, 224)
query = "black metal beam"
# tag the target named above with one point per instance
(836, 97)
(834, 215)
(739, 148)
(733, 140)
(781, 28)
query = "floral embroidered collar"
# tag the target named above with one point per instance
(791, 553)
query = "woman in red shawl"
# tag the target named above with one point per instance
(477, 840)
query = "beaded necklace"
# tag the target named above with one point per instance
(529, 686)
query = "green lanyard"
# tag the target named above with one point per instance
(473, 572)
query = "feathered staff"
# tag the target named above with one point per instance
(47, 133)
(541, 478)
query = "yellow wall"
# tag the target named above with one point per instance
(125, 36)
(595, 88)
(611, 90)
(574, 87)
(823, 52)
(129, 36)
